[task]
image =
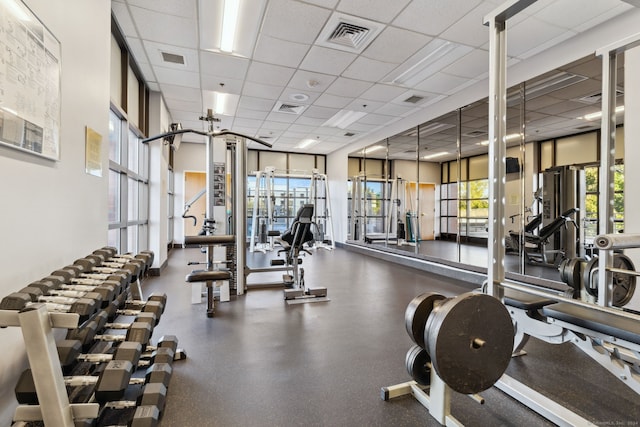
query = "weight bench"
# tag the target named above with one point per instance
(534, 246)
(209, 276)
(612, 340)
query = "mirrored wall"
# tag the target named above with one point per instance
(425, 192)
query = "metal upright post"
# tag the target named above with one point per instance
(209, 175)
(607, 172)
(240, 211)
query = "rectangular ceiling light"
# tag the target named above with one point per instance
(547, 85)
(434, 155)
(598, 114)
(223, 104)
(306, 143)
(229, 21)
(343, 118)
(372, 149)
(230, 26)
(435, 56)
(508, 138)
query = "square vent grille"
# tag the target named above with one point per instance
(348, 33)
(597, 97)
(414, 99)
(288, 108)
(172, 58)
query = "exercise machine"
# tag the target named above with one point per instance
(262, 230)
(322, 217)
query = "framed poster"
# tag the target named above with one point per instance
(29, 82)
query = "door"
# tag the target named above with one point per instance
(194, 183)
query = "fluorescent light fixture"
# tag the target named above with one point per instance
(435, 56)
(306, 143)
(371, 149)
(229, 21)
(9, 110)
(343, 118)
(230, 26)
(221, 103)
(554, 82)
(17, 10)
(598, 114)
(509, 138)
(434, 155)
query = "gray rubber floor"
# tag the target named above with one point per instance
(261, 362)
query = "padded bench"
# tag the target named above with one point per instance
(525, 301)
(605, 323)
(215, 239)
(209, 277)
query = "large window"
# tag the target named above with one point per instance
(591, 201)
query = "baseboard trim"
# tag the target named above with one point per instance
(156, 271)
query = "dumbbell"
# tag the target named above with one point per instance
(154, 304)
(36, 294)
(137, 331)
(70, 353)
(136, 266)
(110, 384)
(85, 307)
(110, 255)
(94, 263)
(71, 278)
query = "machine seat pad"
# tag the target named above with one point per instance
(605, 323)
(525, 301)
(273, 233)
(216, 239)
(207, 276)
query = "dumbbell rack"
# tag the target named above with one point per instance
(37, 325)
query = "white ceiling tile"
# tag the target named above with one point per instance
(362, 127)
(376, 119)
(153, 86)
(274, 126)
(368, 70)
(270, 74)
(248, 123)
(294, 21)
(163, 28)
(316, 112)
(548, 44)
(301, 80)
(572, 13)
(473, 65)
(330, 4)
(137, 50)
(441, 83)
(395, 110)
(328, 61)
(223, 65)
(281, 117)
(348, 87)
(147, 72)
(124, 19)
(181, 93)
(366, 105)
(281, 52)
(262, 91)
(258, 104)
(383, 93)
(329, 131)
(309, 121)
(598, 19)
(295, 135)
(190, 106)
(332, 101)
(251, 114)
(395, 45)
(228, 85)
(435, 16)
(177, 77)
(378, 10)
(154, 52)
(184, 8)
(470, 30)
(529, 34)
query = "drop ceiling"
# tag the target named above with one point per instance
(298, 54)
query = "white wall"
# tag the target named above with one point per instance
(406, 169)
(190, 157)
(52, 212)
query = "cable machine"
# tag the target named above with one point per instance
(262, 232)
(319, 197)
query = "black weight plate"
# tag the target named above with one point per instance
(417, 362)
(624, 285)
(470, 339)
(417, 313)
(571, 272)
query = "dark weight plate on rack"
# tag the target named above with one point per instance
(417, 313)
(470, 339)
(418, 365)
(624, 285)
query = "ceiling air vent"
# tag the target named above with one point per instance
(596, 98)
(414, 99)
(349, 134)
(475, 134)
(285, 107)
(348, 33)
(172, 58)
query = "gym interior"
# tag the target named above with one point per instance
(349, 212)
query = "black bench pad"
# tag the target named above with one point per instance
(216, 239)
(525, 301)
(605, 323)
(207, 276)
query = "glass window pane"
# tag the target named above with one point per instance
(143, 237)
(143, 205)
(132, 201)
(132, 157)
(132, 239)
(114, 137)
(113, 238)
(114, 196)
(479, 189)
(591, 177)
